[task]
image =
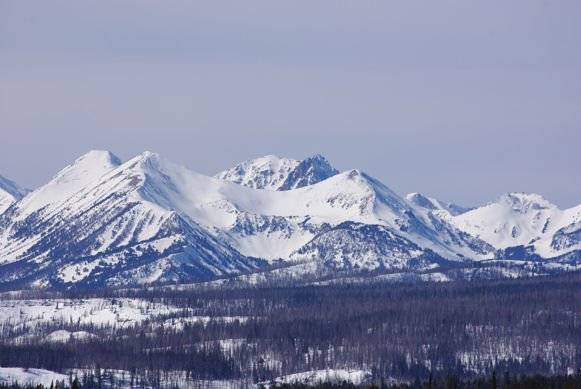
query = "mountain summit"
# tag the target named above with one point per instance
(273, 173)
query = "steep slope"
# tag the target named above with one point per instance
(436, 214)
(365, 248)
(524, 220)
(148, 220)
(273, 225)
(76, 176)
(432, 204)
(269, 172)
(274, 173)
(10, 193)
(119, 228)
(284, 221)
(310, 171)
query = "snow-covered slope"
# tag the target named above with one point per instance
(436, 214)
(308, 172)
(365, 247)
(432, 204)
(32, 377)
(126, 225)
(316, 377)
(76, 176)
(148, 220)
(268, 172)
(520, 219)
(273, 173)
(10, 192)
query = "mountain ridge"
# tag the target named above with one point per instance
(100, 221)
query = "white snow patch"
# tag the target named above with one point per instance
(314, 377)
(9, 375)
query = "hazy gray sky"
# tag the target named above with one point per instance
(462, 100)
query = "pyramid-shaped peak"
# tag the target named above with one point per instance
(317, 157)
(98, 156)
(84, 170)
(91, 164)
(308, 172)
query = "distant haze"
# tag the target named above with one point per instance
(460, 100)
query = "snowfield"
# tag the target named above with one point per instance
(356, 377)
(63, 336)
(122, 312)
(10, 375)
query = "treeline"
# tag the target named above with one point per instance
(450, 382)
(123, 354)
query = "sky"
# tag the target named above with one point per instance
(460, 100)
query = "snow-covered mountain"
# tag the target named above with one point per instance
(273, 173)
(10, 193)
(308, 172)
(520, 220)
(99, 222)
(103, 222)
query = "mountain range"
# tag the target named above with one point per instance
(103, 222)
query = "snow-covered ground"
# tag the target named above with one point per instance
(179, 323)
(121, 312)
(63, 336)
(9, 375)
(317, 376)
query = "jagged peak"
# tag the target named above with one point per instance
(318, 157)
(266, 172)
(308, 172)
(321, 162)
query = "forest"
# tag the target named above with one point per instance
(395, 333)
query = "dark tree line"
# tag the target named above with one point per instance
(92, 381)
